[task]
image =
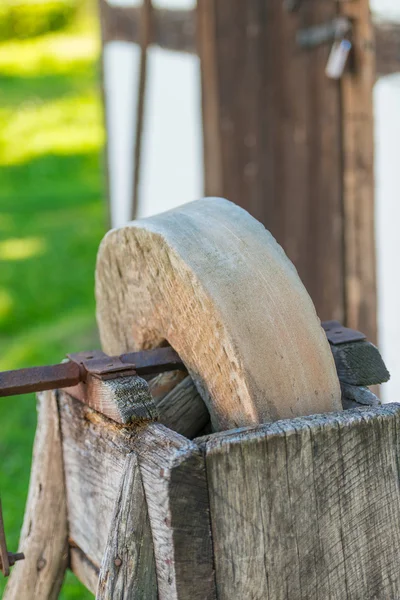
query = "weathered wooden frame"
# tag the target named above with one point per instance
(302, 508)
(136, 509)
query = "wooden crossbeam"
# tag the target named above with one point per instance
(176, 30)
(171, 29)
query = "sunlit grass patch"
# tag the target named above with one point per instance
(65, 126)
(55, 53)
(51, 222)
(22, 248)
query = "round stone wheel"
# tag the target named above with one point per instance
(211, 281)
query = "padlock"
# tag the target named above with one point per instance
(338, 57)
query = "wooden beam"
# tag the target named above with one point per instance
(172, 29)
(272, 131)
(387, 41)
(357, 155)
(44, 536)
(176, 30)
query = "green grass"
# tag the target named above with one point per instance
(52, 219)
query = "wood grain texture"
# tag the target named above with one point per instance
(183, 409)
(94, 450)
(272, 132)
(128, 567)
(307, 508)
(44, 533)
(354, 396)
(359, 363)
(174, 480)
(387, 42)
(162, 384)
(176, 30)
(123, 399)
(358, 173)
(185, 276)
(172, 29)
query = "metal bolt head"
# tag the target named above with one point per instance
(118, 562)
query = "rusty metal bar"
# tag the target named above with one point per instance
(69, 374)
(35, 379)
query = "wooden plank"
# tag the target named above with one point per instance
(174, 479)
(176, 30)
(172, 29)
(128, 568)
(359, 363)
(358, 173)
(85, 571)
(123, 399)
(44, 533)
(94, 450)
(183, 409)
(387, 41)
(354, 396)
(307, 508)
(272, 125)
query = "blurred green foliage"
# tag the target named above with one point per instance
(30, 18)
(52, 219)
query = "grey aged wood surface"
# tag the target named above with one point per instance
(174, 479)
(128, 567)
(354, 396)
(95, 450)
(308, 508)
(359, 363)
(173, 472)
(183, 409)
(44, 533)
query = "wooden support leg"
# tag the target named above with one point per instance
(128, 567)
(44, 534)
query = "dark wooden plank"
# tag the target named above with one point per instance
(358, 173)
(354, 396)
(307, 508)
(272, 125)
(128, 567)
(176, 30)
(359, 363)
(387, 41)
(172, 29)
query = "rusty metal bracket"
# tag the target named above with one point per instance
(7, 559)
(338, 334)
(101, 366)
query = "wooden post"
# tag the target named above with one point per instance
(292, 146)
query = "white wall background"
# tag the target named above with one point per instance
(172, 156)
(387, 213)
